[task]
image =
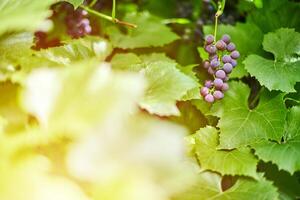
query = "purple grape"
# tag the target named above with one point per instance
(204, 91)
(213, 56)
(208, 83)
(211, 49)
(218, 83)
(209, 39)
(214, 63)
(209, 98)
(231, 47)
(233, 63)
(221, 45)
(225, 87)
(227, 68)
(218, 94)
(206, 64)
(211, 71)
(77, 23)
(226, 59)
(220, 74)
(235, 54)
(226, 38)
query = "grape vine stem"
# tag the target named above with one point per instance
(221, 6)
(93, 3)
(107, 17)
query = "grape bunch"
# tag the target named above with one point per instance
(77, 23)
(222, 59)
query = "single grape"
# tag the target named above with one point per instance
(214, 63)
(218, 94)
(233, 63)
(221, 45)
(235, 54)
(227, 68)
(209, 39)
(226, 59)
(211, 71)
(220, 74)
(204, 91)
(218, 83)
(231, 47)
(208, 84)
(209, 98)
(211, 49)
(213, 56)
(225, 87)
(226, 38)
(206, 64)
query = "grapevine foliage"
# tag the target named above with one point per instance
(131, 100)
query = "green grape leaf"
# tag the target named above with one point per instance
(286, 13)
(240, 126)
(195, 92)
(283, 72)
(77, 50)
(234, 162)
(127, 61)
(240, 34)
(23, 15)
(154, 57)
(75, 3)
(162, 80)
(166, 86)
(82, 86)
(151, 32)
(190, 116)
(14, 49)
(208, 186)
(288, 186)
(284, 154)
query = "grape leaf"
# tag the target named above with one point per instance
(154, 57)
(193, 93)
(76, 50)
(190, 116)
(14, 49)
(151, 32)
(208, 186)
(80, 86)
(240, 125)
(75, 3)
(235, 162)
(283, 72)
(23, 15)
(166, 86)
(288, 186)
(284, 154)
(240, 34)
(286, 13)
(163, 74)
(127, 61)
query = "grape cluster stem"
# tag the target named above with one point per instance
(107, 17)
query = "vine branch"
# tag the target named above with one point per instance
(107, 17)
(221, 6)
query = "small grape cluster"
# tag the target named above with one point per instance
(77, 23)
(222, 59)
